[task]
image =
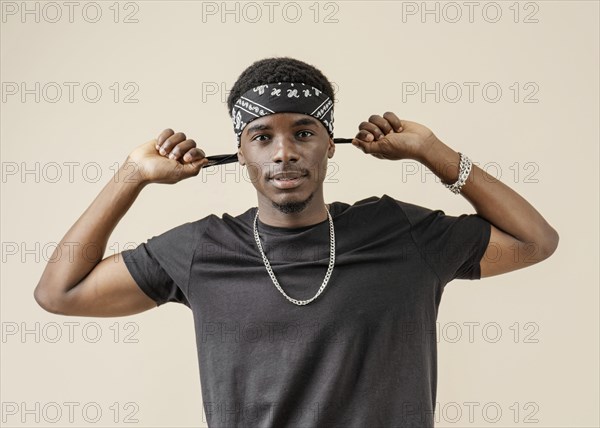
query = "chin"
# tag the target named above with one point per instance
(292, 204)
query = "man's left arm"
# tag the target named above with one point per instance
(520, 236)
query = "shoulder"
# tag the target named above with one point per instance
(183, 235)
(387, 203)
(370, 203)
(374, 209)
(414, 213)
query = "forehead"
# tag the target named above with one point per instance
(282, 119)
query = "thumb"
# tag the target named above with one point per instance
(366, 146)
(193, 168)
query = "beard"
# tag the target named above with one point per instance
(293, 207)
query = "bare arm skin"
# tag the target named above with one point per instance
(520, 236)
(81, 283)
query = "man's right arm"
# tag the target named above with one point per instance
(76, 280)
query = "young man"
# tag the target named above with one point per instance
(306, 313)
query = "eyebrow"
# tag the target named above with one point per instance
(299, 122)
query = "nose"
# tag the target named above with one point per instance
(285, 149)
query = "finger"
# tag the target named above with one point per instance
(194, 160)
(365, 136)
(371, 128)
(393, 120)
(365, 146)
(382, 124)
(194, 154)
(181, 149)
(163, 136)
(171, 142)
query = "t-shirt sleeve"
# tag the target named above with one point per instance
(452, 246)
(161, 265)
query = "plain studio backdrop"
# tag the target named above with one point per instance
(514, 85)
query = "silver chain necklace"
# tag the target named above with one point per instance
(329, 269)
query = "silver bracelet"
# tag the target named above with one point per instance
(465, 170)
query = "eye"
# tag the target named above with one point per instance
(260, 135)
(309, 132)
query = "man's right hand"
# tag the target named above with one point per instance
(168, 159)
(87, 285)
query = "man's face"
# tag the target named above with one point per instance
(286, 145)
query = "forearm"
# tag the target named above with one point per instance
(83, 246)
(492, 199)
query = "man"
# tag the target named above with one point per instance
(306, 313)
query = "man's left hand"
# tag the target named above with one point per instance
(390, 138)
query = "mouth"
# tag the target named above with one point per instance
(287, 181)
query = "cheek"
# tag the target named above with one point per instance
(324, 168)
(319, 169)
(255, 172)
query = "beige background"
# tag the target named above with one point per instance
(547, 376)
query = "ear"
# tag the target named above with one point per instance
(240, 156)
(330, 148)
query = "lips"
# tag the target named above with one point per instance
(286, 176)
(287, 180)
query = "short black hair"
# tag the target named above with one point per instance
(278, 69)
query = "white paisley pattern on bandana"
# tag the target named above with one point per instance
(281, 97)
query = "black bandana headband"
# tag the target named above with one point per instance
(281, 97)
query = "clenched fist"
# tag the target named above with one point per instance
(168, 159)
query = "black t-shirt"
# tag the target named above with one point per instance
(363, 354)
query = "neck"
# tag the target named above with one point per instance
(314, 212)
